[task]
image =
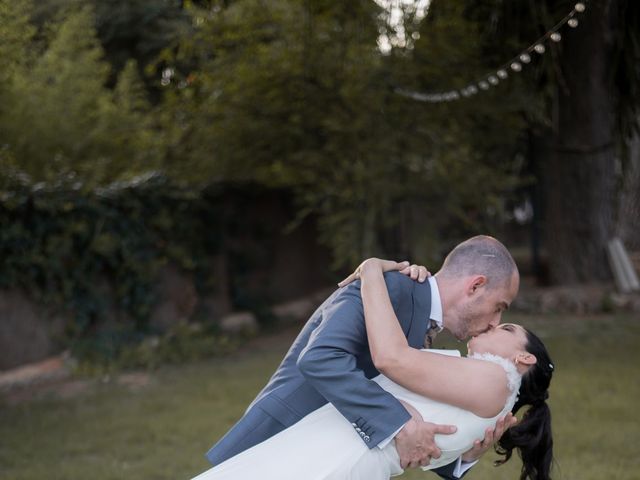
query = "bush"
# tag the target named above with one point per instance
(121, 349)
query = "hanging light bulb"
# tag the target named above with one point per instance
(494, 78)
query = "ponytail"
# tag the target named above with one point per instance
(532, 435)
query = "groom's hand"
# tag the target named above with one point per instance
(491, 436)
(415, 442)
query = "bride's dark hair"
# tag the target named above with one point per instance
(532, 435)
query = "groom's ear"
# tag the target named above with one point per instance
(476, 283)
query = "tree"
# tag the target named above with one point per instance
(629, 213)
(65, 124)
(587, 102)
(127, 29)
(596, 100)
(581, 174)
(297, 95)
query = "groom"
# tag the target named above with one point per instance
(330, 360)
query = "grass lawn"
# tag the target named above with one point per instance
(161, 430)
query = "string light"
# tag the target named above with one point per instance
(515, 64)
(555, 36)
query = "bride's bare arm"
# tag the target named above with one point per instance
(474, 385)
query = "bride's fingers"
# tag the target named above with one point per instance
(416, 272)
(423, 273)
(412, 271)
(354, 276)
(387, 266)
(403, 266)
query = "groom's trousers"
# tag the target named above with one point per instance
(253, 428)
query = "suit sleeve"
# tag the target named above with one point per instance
(329, 362)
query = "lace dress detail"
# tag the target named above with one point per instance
(513, 376)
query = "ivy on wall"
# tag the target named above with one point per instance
(65, 247)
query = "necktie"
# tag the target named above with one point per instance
(432, 331)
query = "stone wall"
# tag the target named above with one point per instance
(28, 331)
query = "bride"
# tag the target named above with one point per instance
(507, 368)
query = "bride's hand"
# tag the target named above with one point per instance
(491, 437)
(415, 272)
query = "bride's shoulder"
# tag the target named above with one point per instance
(507, 367)
(489, 385)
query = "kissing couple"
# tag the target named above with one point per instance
(361, 396)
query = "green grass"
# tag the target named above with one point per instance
(161, 431)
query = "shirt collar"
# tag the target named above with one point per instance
(436, 303)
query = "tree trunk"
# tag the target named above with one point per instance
(539, 150)
(629, 216)
(581, 173)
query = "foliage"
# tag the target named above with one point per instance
(115, 351)
(76, 251)
(16, 33)
(65, 124)
(282, 94)
(295, 94)
(127, 29)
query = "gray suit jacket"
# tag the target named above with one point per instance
(330, 362)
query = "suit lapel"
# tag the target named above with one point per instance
(420, 315)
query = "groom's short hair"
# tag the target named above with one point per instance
(481, 255)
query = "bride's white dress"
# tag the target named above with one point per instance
(325, 446)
